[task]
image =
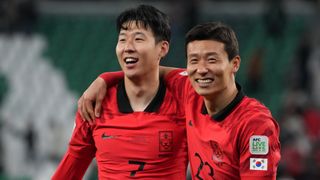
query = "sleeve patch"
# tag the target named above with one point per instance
(259, 145)
(260, 164)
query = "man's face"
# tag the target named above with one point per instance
(209, 68)
(137, 50)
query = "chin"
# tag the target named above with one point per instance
(209, 91)
(132, 74)
(202, 92)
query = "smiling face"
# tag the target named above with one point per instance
(209, 68)
(137, 51)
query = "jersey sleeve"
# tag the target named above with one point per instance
(71, 168)
(80, 152)
(112, 78)
(259, 149)
(175, 82)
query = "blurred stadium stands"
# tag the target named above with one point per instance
(51, 50)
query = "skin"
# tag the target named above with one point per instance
(139, 56)
(211, 73)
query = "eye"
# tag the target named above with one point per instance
(121, 39)
(139, 39)
(193, 61)
(212, 60)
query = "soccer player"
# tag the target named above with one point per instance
(141, 131)
(230, 135)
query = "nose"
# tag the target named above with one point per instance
(129, 46)
(202, 67)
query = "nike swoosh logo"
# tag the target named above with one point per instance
(104, 136)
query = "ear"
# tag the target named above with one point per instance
(236, 63)
(164, 48)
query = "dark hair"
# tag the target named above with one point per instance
(149, 17)
(215, 31)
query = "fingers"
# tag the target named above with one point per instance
(85, 114)
(99, 100)
(92, 97)
(80, 106)
(89, 110)
(85, 109)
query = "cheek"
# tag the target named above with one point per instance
(190, 69)
(118, 51)
(218, 70)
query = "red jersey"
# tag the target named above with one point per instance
(132, 145)
(239, 142)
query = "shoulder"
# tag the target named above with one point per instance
(176, 74)
(256, 117)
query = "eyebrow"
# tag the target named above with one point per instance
(139, 33)
(206, 54)
(212, 53)
(136, 33)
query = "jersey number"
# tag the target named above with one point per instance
(141, 166)
(201, 165)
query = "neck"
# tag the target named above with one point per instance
(219, 101)
(141, 90)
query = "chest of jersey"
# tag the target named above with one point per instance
(148, 145)
(213, 151)
(212, 148)
(137, 135)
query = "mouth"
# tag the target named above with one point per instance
(130, 60)
(204, 82)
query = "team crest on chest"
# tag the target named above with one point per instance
(217, 155)
(165, 141)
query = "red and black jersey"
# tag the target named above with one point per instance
(239, 142)
(133, 145)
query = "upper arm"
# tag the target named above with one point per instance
(259, 148)
(164, 70)
(175, 81)
(112, 78)
(80, 153)
(71, 168)
(82, 142)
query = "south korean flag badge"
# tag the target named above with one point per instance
(260, 164)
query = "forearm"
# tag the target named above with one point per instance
(112, 78)
(71, 168)
(164, 70)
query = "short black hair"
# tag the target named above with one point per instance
(216, 31)
(149, 17)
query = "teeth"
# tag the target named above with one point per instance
(204, 80)
(130, 60)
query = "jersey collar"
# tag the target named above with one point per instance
(124, 103)
(220, 116)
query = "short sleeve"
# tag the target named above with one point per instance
(79, 155)
(82, 143)
(112, 78)
(175, 82)
(259, 147)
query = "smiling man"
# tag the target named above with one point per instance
(230, 135)
(141, 132)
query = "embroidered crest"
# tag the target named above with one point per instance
(217, 155)
(165, 141)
